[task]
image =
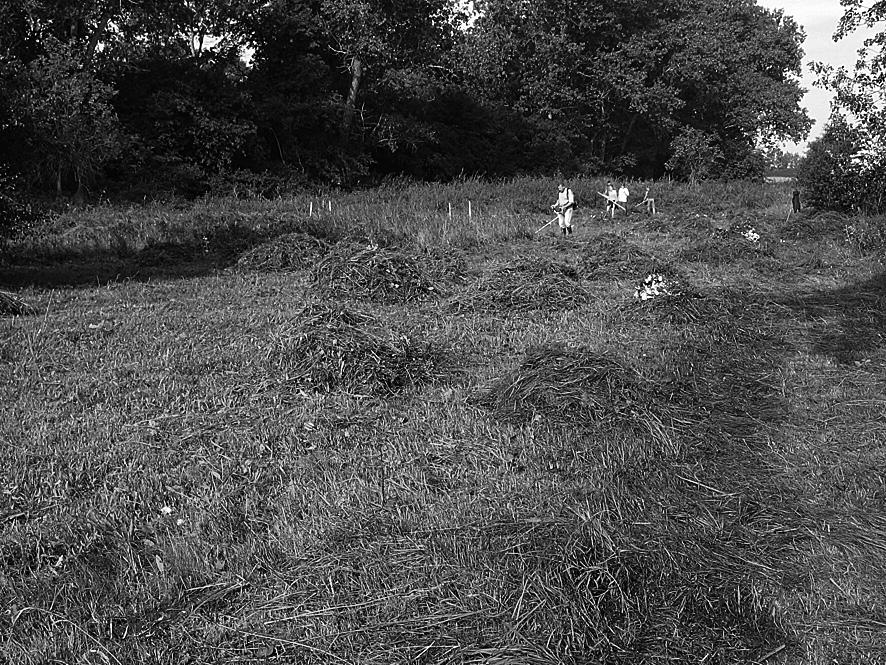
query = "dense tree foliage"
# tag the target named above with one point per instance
(845, 169)
(181, 93)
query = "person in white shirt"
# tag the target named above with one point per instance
(564, 206)
(623, 194)
(611, 198)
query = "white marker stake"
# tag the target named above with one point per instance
(311, 210)
(330, 205)
(470, 214)
(450, 212)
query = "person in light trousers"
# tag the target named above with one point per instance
(564, 206)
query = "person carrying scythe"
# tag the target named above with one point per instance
(564, 207)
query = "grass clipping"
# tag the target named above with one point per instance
(577, 388)
(610, 255)
(526, 284)
(375, 273)
(334, 349)
(292, 251)
(11, 305)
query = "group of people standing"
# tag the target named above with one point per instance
(565, 205)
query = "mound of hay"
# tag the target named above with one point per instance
(292, 251)
(577, 388)
(526, 284)
(610, 255)
(334, 349)
(375, 273)
(726, 246)
(11, 305)
(823, 224)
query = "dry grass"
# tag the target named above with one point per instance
(331, 348)
(579, 388)
(291, 251)
(380, 274)
(524, 284)
(611, 255)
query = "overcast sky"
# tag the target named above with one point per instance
(819, 20)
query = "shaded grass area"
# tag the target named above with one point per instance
(695, 479)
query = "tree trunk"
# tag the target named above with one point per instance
(96, 37)
(351, 101)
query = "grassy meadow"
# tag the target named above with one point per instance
(234, 432)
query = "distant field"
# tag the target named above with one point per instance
(381, 433)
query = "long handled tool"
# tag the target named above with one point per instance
(612, 201)
(546, 225)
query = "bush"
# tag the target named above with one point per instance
(17, 215)
(842, 171)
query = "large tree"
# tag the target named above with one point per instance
(850, 156)
(623, 78)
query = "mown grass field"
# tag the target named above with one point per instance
(235, 434)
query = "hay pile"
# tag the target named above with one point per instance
(577, 388)
(823, 224)
(11, 305)
(719, 246)
(334, 349)
(292, 251)
(525, 284)
(610, 255)
(375, 273)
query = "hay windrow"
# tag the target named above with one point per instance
(818, 224)
(12, 305)
(375, 273)
(610, 255)
(292, 251)
(525, 284)
(573, 590)
(333, 349)
(726, 246)
(577, 388)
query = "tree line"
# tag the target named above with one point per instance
(179, 95)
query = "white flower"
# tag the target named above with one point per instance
(751, 234)
(166, 510)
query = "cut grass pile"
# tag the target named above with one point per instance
(524, 284)
(380, 274)
(525, 589)
(579, 388)
(611, 255)
(332, 349)
(724, 246)
(291, 251)
(814, 225)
